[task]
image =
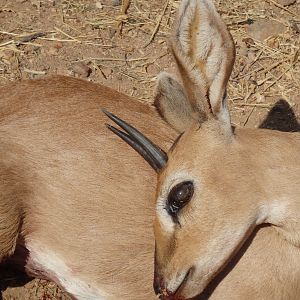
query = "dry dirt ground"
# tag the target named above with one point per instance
(124, 44)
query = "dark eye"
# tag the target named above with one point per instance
(179, 196)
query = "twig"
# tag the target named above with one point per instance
(152, 61)
(250, 65)
(7, 43)
(157, 24)
(130, 76)
(76, 41)
(251, 92)
(35, 72)
(261, 82)
(278, 78)
(261, 105)
(14, 49)
(248, 117)
(67, 35)
(59, 40)
(276, 64)
(282, 7)
(125, 6)
(9, 33)
(123, 16)
(246, 21)
(29, 38)
(112, 59)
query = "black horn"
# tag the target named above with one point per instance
(155, 156)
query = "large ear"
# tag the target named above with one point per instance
(205, 53)
(172, 103)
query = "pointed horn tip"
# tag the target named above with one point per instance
(105, 111)
(110, 127)
(114, 118)
(135, 137)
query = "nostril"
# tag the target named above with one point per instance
(156, 287)
(167, 295)
(175, 293)
(163, 290)
(160, 289)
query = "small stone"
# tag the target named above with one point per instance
(260, 98)
(248, 41)
(116, 2)
(263, 29)
(99, 5)
(111, 32)
(286, 2)
(119, 77)
(295, 26)
(7, 55)
(106, 72)
(53, 51)
(36, 3)
(273, 43)
(82, 69)
(243, 50)
(58, 45)
(251, 55)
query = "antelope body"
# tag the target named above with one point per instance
(77, 205)
(69, 189)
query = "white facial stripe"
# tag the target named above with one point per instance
(174, 283)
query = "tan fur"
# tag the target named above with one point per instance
(170, 97)
(238, 185)
(241, 178)
(89, 198)
(53, 140)
(70, 187)
(204, 52)
(11, 195)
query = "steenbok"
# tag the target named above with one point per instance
(77, 205)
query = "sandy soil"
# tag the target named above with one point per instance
(124, 45)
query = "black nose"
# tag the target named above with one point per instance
(156, 285)
(160, 289)
(157, 280)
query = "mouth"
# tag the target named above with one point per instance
(175, 295)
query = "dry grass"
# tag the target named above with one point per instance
(262, 70)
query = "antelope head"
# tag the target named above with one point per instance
(205, 209)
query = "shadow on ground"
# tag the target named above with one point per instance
(11, 277)
(282, 118)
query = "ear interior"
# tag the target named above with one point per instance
(204, 52)
(172, 103)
